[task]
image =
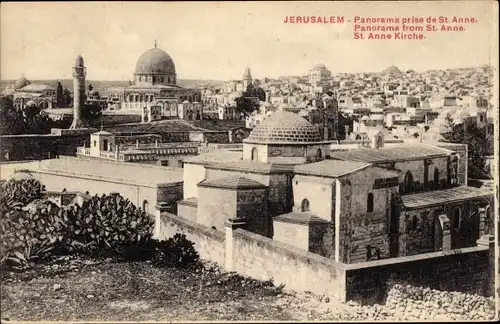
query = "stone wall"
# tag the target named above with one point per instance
(215, 206)
(187, 210)
(263, 258)
(59, 180)
(252, 206)
(366, 232)
(209, 243)
(192, 175)
(216, 137)
(417, 170)
(460, 270)
(7, 169)
(320, 192)
(462, 151)
(291, 233)
(420, 231)
(36, 146)
(169, 193)
(280, 187)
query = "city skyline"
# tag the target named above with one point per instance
(218, 40)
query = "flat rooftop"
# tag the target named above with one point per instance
(438, 197)
(110, 170)
(391, 154)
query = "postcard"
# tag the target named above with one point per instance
(249, 161)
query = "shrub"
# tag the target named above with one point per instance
(103, 226)
(176, 252)
(106, 224)
(15, 193)
(29, 233)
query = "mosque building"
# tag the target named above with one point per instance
(155, 84)
(26, 93)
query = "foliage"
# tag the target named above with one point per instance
(476, 140)
(18, 193)
(104, 226)
(91, 113)
(245, 103)
(177, 251)
(29, 120)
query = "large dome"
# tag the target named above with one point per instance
(284, 126)
(21, 83)
(155, 61)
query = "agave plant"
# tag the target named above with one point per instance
(29, 255)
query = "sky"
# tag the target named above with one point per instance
(218, 40)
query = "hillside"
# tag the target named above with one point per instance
(100, 85)
(392, 70)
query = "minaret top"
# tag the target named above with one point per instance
(79, 61)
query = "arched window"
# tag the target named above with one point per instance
(319, 154)
(369, 203)
(380, 142)
(254, 154)
(145, 205)
(456, 217)
(304, 206)
(408, 184)
(436, 178)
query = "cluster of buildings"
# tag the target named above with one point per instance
(343, 200)
(371, 195)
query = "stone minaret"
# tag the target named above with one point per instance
(247, 78)
(79, 73)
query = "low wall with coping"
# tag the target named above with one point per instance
(465, 270)
(263, 258)
(209, 243)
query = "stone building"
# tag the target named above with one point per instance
(155, 83)
(319, 73)
(23, 91)
(351, 205)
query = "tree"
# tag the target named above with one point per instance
(28, 120)
(59, 95)
(68, 102)
(476, 140)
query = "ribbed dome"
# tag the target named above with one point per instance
(21, 83)
(319, 66)
(155, 61)
(284, 126)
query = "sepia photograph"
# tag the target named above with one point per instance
(249, 161)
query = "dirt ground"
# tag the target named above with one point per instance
(107, 291)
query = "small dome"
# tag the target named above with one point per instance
(155, 61)
(31, 103)
(21, 83)
(319, 66)
(365, 118)
(94, 93)
(79, 61)
(285, 126)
